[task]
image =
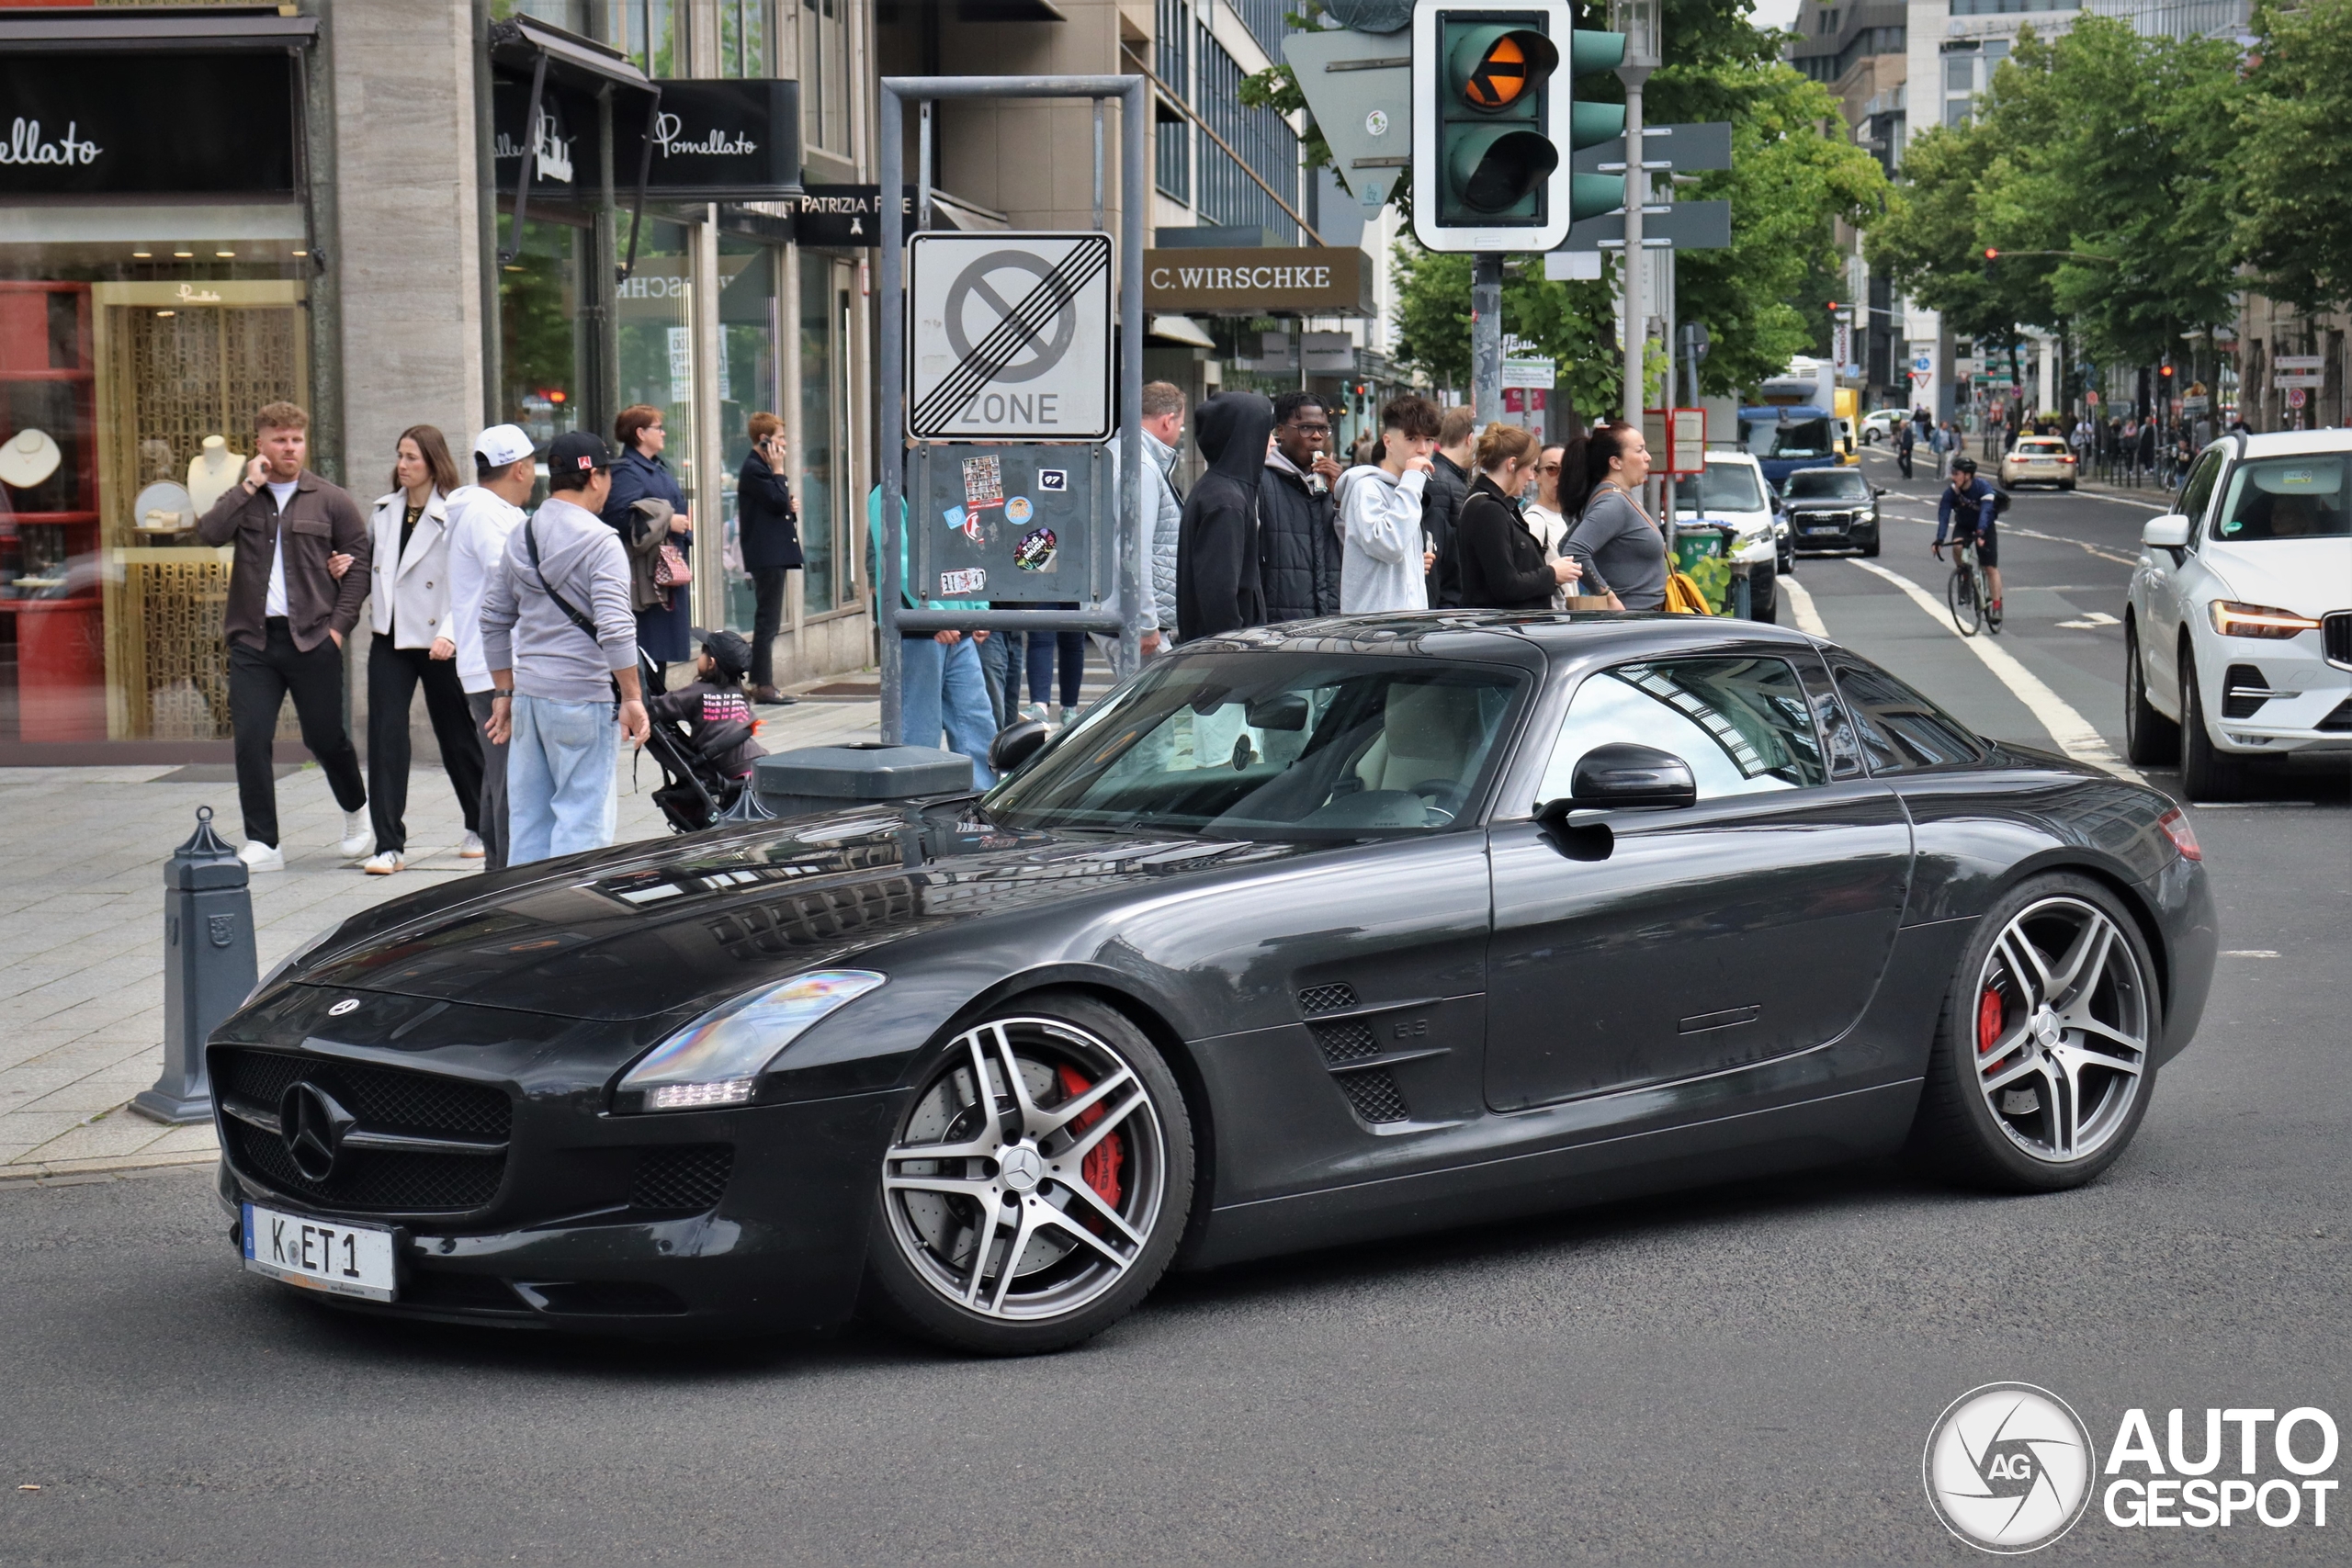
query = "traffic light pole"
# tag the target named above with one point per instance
(1637, 191)
(1486, 336)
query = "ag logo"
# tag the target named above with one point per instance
(2008, 1468)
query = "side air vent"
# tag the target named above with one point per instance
(1374, 1094)
(2338, 720)
(1350, 1040)
(1326, 999)
(2243, 691)
(688, 1177)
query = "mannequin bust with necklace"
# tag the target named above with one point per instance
(211, 471)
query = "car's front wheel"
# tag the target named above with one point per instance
(1038, 1184)
(1763, 596)
(2206, 772)
(2044, 1056)
(2150, 739)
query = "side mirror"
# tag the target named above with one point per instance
(1877, 491)
(1283, 710)
(1624, 775)
(2169, 532)
(1016, 743)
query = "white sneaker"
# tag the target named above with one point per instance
(359, 837)
(383, 865)
(259, 856)
(473, 848)
(1039, 712)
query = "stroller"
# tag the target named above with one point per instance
(694, 794)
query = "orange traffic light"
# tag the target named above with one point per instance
(1501, 75)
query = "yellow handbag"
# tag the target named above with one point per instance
(1682, 596)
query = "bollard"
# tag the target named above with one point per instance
(208, 968)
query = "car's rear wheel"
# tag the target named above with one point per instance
(2046, 1055)
(2206, 772)
(2150, 739)
(1038, 1184)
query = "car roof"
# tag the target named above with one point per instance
(1734, 459)
(1471, 632)
(2292, 442)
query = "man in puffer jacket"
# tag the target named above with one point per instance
(1163, 508)
(1299, 549)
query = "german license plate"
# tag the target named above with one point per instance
(344, 1260)
(1823, 528)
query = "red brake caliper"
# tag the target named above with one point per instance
(1103, 1162)
(1989, 1013)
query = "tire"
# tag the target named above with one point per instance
(1005, 1255)
(2068, 487)
(1967, 605)
(1869, 551)
(2040, 1076)
(1763, 596)
(2150, 739)
(2206, 773)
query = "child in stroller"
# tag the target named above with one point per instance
(702, 733)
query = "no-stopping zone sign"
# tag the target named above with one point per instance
(1009, 337)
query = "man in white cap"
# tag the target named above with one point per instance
(481, 515)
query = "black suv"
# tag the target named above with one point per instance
(1831, 509)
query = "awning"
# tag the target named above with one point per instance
(133, 30)
(1181, 329)
(526, 45)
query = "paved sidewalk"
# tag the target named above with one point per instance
(82, 932)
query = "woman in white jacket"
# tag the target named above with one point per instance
(415, 645)
(1385, 557)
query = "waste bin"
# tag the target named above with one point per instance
(1703, 552)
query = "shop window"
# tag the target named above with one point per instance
(656, 330)
(747, 385)
(540, 325)
(821, 404)
(744, 38)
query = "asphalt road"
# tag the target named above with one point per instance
(1733, 1375)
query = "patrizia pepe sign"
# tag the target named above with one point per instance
(119, 124)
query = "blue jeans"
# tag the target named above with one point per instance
(1043, 646)
(560, 778)
(940, 686)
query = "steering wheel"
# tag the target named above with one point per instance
(1445, 796)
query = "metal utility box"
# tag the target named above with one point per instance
(827, 778)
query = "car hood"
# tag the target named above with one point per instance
(2309, 577)
(678, 926)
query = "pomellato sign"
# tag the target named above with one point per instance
(122, 124)
(717, 139)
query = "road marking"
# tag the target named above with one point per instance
(2122, 501)
(2071, 731)
(1800, 603)
(2091, 622)
(2249, 953)
(2061, 539)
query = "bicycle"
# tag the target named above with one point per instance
(1967, 592)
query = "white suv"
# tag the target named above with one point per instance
(1732, 491)
(2239, 627)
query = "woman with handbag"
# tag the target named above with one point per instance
(665, 631)
(1503, 560)
(1621, 550)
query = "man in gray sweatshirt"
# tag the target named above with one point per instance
(561, 641)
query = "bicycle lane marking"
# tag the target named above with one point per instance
(2071, 731)
(1801, 604)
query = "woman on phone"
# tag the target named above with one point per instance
(662, 631)
(768, 527)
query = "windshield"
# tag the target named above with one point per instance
(2286, 498)
(1275, 746)
(2045, 448)
(1792, 438)
(1722, 486)
(1831, 484)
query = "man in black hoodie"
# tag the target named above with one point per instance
(1218, 586)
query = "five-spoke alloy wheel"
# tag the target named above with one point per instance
(2045, 1059)
(1038, 1184)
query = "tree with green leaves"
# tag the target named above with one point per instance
(2293, 189)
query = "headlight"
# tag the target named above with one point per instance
(279, 969)
(717, 1059)
(2258, 620)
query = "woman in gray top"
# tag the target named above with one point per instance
(1623, 553)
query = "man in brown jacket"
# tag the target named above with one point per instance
(288, 613)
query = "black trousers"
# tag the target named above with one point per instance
(260, 680)
(393, 675)
(767, 620)
(492, 824)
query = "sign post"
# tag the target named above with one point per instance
(1030, 318)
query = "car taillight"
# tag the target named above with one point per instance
(2184, 837)
(2068, 461)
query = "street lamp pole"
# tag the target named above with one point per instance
(1638, 20)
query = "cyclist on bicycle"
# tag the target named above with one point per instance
(1967, 509)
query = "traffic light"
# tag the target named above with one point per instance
(1493, 122)
(1992, 260)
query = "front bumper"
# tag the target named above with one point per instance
(700, 1223)
(1832, 531)
(2307, 711)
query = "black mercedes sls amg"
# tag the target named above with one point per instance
(1306, 935)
